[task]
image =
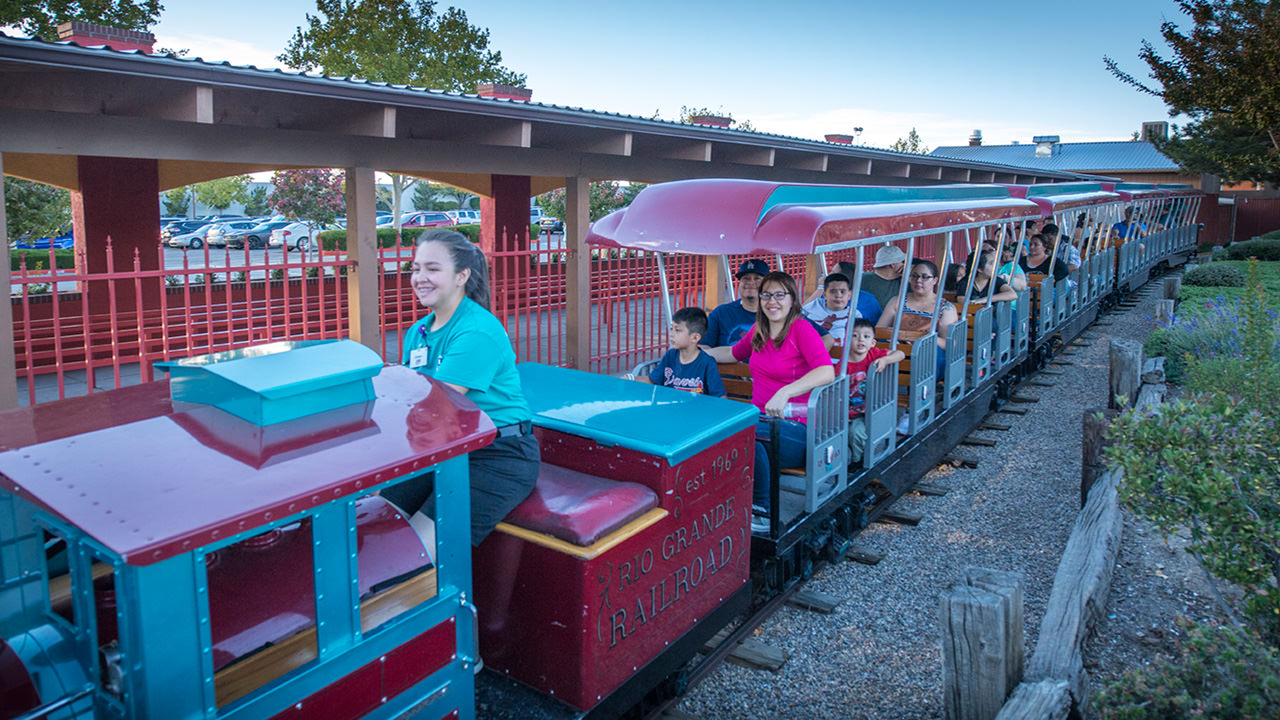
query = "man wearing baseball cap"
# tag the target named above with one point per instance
(884, 281)
(729, 322)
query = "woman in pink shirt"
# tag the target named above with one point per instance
(787, 360)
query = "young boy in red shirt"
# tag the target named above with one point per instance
(863, 353)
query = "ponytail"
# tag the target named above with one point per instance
(466, 255)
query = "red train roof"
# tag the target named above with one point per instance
(149, 483)
(716, 217)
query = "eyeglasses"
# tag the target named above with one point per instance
(914, 276)
(774, 295)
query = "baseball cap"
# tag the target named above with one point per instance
(753, 265)
(890, 254)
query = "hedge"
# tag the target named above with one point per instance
(66, 259)
(337, 239)
(1261, 248)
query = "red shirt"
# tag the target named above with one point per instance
(858, 379)
(773, 367)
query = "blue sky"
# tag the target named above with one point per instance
(802, 68)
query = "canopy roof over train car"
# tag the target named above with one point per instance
(1136, 191)
(1067, 196)
(716, 217)
(150, 483)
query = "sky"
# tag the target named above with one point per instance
(802, 68)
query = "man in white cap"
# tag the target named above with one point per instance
(885, 280)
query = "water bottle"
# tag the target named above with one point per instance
(795, 410)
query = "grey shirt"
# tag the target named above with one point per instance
(886, 291)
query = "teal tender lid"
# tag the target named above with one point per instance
(654, 420)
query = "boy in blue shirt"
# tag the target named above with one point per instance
(686, 366)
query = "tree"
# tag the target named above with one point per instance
(603, 197)
(257, 202)
(40, 18)
(400, 42)
(220, 193)
(313, 196)
(35, 210)
(911, 143)
(1221, 76)
(177, 201)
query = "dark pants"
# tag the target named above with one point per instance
(791, 452)
(502, 476)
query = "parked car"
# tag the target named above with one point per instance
(464, 217)
(255, 237)
(553, 224)
(428, 218)
(194, 239)
(181, 227)
(214, 235)
(297, 235)
(61, 242)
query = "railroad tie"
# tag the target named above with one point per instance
(821, 602)
(993, 425)
(930, 489)
(1050, 371)
(1040, 383)
(900, 517)
(965, 463)
(1013, 410)
(863, 555)
(1023, 399)
(980, 441)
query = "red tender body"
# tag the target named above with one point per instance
(578, 625)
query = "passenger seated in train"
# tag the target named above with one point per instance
(1067, 251)
(1009, 272)
(954, 278)
(831, 309)
(921, 299)
(982, 279)
(1038, 260)
(787, 361)
(863, 353)
(866, 306)
(686, 366)
(886, 279)
(1128, 228)
(729, 322)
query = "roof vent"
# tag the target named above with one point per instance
(975, 139)
(1046, 145)
(841, 139)
(721, 121)
(503, 92)
(90, 35)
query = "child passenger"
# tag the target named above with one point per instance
(686, 366)
(863, 353)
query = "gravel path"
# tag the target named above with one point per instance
(879, 654)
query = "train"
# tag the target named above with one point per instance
(214, 545)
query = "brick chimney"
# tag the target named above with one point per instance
(975, 139)
(89, 35)
(504, 92)
(841, 139)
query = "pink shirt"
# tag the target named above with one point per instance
(772, 368)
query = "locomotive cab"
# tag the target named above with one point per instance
(214, 546)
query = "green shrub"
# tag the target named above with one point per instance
(1273, 235)
(1214, 276)
(1224, 674)
(1206, 247)
(337, 239)
(1267, 249)
(66, 259)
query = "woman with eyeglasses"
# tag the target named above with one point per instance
(982, 279)
(787, 359)
(918, 308)
(1038, 260)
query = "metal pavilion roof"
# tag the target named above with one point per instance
(79, 86)
(1068, 157)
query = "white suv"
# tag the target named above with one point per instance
(297, 235)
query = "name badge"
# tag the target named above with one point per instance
(418, 358)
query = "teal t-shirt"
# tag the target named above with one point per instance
(472, 350)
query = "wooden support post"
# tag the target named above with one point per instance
(1164, 311)
(974, 666)
(1009, 586)
(1153, 370)
(1126, 372)
(362, 244)
(1092, 466)
(577, 316)
(1172, 287)
(8, 374)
